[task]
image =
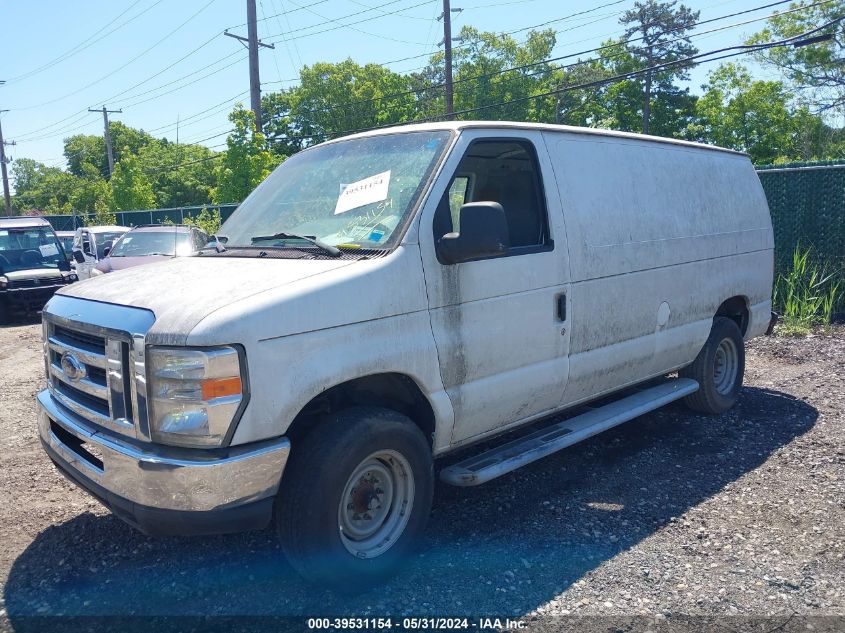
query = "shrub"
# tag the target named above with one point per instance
(208, 220)
(807, 293)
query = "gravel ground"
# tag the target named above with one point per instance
(673, 515)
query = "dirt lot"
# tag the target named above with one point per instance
(671, 515)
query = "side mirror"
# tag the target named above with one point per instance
(64, 265)
(107, 248)
(78, 257)
(484, 233)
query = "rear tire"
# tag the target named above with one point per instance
(355, 497)
(718, 369)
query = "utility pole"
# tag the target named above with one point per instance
(253, 43)
(107, 134)
(447, 54)
(7, 196)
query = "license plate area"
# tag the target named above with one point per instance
(83, 450)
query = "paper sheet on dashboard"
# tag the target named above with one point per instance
(366, 191)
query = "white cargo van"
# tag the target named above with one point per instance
(384, 299)
(91, 244)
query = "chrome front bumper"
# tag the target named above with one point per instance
(162, 490)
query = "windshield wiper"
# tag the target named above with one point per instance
(327, 248)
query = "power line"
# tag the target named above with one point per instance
(283, 13)
(741, 49)
(731, 51)
(86, 43)
(603, 48)
(197, 114)
(118, 69)
(350, 24)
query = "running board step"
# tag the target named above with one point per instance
(524, 450)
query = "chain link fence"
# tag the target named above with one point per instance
(807, 202)
(176, 215)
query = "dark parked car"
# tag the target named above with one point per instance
(33, 265)
(150, 243)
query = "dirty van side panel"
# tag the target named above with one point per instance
(659, 235)
(307, 336)
(502, 348)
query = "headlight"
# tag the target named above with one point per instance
(96, 272)
(4, 281)
(71, 277)
(194, 394)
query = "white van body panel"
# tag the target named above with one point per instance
(650, 225)
(650, 237)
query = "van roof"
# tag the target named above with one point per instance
(22, 221)
(543, 127)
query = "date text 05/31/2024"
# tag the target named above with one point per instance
(415, 624)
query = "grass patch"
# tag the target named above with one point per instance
(807, 293)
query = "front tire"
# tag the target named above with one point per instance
(718, 369)
(355, 497)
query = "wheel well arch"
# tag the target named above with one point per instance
(391, 390)
(736, 308)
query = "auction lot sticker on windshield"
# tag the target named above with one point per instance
(48, 249)
(366, 191)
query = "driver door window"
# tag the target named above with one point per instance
(504, 171)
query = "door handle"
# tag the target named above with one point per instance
(561, 307)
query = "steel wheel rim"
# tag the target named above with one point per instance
(376, 504)
(725, 366)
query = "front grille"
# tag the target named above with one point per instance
(91, 342)
(35, 283)
(88, 373)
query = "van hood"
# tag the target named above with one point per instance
(33, 273)
(183, 290)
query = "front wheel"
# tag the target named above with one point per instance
(355, 497)
(718, 369)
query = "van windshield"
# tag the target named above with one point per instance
(145, 243)
(28, 248)
(103, 240)
(352, 193)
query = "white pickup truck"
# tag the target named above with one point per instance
(386, 298)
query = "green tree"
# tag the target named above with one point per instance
(92, 191)
(334, 99)
(86, 149)
(209, 220)
(480, 82)
(181, 175)
(89, 149)
(285, 132)
(757, 117)
(42, 188)
(656, 33)
(247, 161)
(131, 189)
(816, 72)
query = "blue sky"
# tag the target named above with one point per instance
(163, 60)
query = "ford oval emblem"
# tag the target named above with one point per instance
(72, 367)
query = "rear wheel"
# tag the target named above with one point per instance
(355, 497)
(718, 369)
